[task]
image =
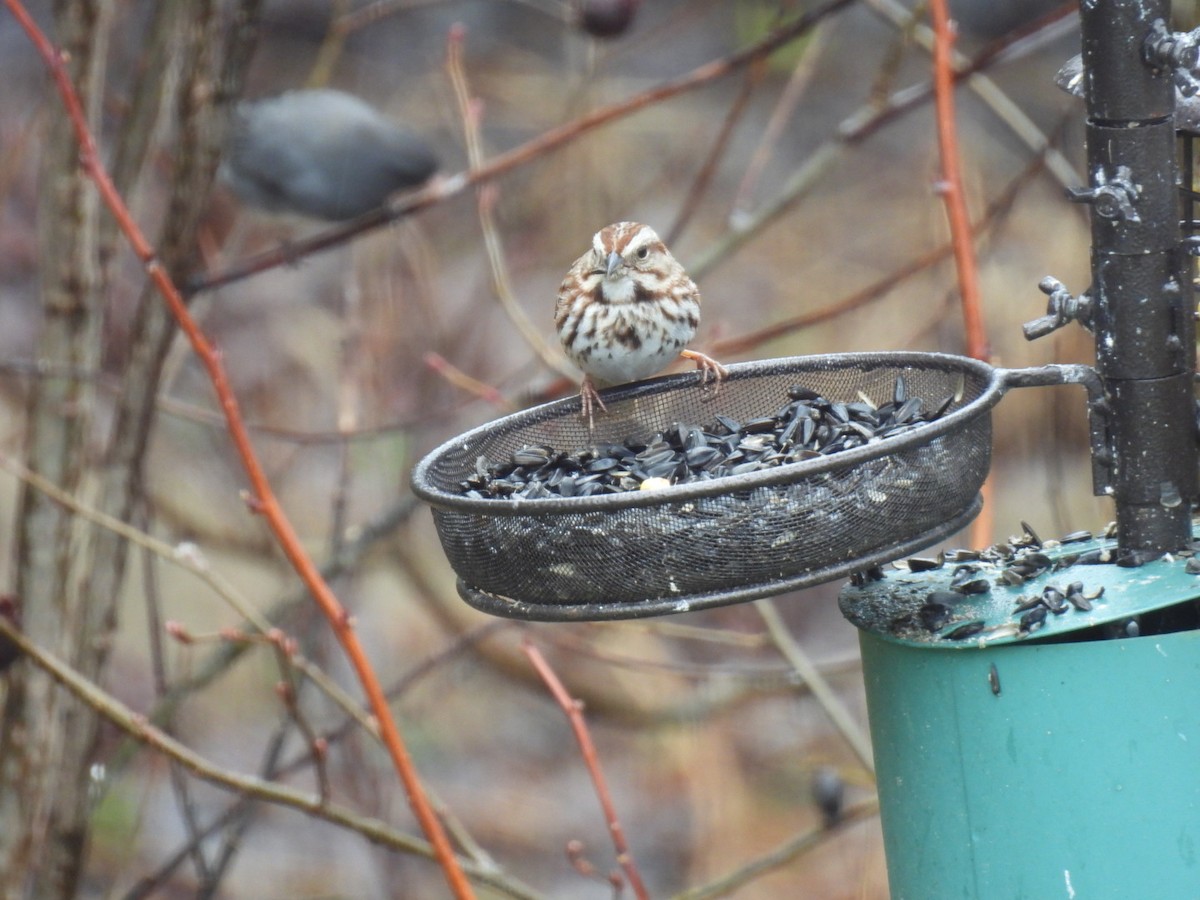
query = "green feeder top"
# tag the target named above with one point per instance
(1024, 590)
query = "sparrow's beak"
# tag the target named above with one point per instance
(614, 263)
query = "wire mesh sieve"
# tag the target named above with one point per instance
(726, 539)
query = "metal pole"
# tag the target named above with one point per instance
(1141, 284)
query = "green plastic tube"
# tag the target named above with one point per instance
(1027, 772)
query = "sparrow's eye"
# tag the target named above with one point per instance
(643, 252)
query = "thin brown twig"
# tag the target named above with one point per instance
(158, 668)
(190, 412)
(970, 70)
(470, 111)
(464, 382)
(443, 188)
(349, 419)
(331, 47)
(790, 649)
(859, 126)
(785, 853)
(574, 712)
(276, 768)
(317, 747)
(191, 558)
(703, 179)
(139, 728)
(792, 92)
(882, 287)
(264, 500)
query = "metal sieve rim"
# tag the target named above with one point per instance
(507, 607)
(995, 387)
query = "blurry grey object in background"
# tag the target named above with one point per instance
(321, 153)
(1187, 109)
(992, 18)
(606, 18)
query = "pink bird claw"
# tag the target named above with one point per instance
(589, 399)
(708, 367)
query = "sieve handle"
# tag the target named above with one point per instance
(1098, 409)
(1055, 373)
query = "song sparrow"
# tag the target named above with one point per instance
(627, 309)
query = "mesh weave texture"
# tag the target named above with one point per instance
(728, 533)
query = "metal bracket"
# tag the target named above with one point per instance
(1063, 307)
(1112, 198)
(1176, 51)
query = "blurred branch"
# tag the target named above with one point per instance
(883, 286)
(785, 106)
(264, 500)
(137, 727)
(229, 652)
(331, 47)
(316, 747)
(745, 226)
(951, 185)
(351, 354)
(790, 650)
(190, 558)
(864, 122)
(1013, 117)
(718, 690)
(574, 711)
(237, 814)
(155, 633)
(442, 189)
(190, 412)
(464, 382)
(703, 179)
(774, 676)
(132, 140)
(782, 855)
(470, 111)
(954, 194)
(46, 739)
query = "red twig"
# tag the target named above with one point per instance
(574, 710)
(465, 382)
(263, 498)
(956, 212)
(951, 187)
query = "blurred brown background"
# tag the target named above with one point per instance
(706, 735)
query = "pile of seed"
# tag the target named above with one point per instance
(807, 426)
(1020, 560)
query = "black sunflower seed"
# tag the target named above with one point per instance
(934, 616)
(969, 629)
(808, 425)
(924, 564)
(1033, 620)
